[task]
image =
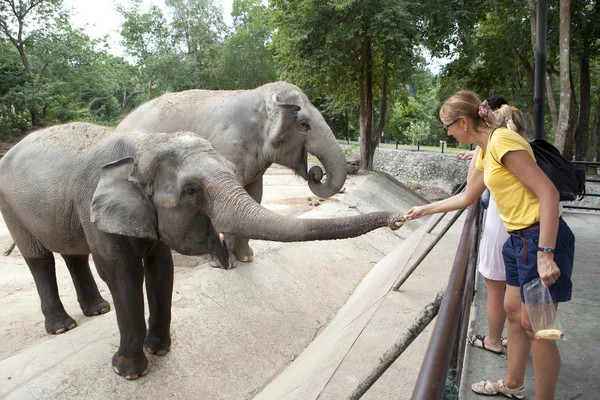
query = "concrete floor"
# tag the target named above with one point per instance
(580, 319)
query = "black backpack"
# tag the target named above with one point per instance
(568, 178)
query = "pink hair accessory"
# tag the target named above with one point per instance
(484, 109)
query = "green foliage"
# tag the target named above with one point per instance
(245, 61)
(350, 149)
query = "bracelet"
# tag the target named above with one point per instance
(548, 250)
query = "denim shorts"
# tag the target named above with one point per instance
(520, 260)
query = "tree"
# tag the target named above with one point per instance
(244, 61)
(144, 34)
(199, 28)
(14, 18)
(350, 51)
(567, 109)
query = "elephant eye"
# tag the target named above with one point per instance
(304, 126)
(190, 190)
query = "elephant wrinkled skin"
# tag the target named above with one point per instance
(275, 123)
(128, 199)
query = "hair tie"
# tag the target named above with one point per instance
(484, 109)
(514, 108)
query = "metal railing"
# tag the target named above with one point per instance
(586, 164)
(453, 318)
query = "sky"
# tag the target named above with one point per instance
(100, 17)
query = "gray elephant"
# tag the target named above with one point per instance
(128, 199)
(275, 123)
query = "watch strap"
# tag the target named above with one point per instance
(549, 250)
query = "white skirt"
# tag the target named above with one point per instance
(491, 262)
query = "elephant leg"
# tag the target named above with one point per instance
(90, 300)
(158, 268)
(42, 266)
(123, 272)
(44, 274)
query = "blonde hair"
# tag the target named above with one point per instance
(461, 104)
(465, 103)
(509, 117)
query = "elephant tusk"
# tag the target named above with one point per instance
(221, 236)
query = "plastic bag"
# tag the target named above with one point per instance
(541, 311)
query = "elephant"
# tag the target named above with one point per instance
(275, 123)
(128, 199)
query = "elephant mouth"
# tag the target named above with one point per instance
(302, 164)
(217, 245)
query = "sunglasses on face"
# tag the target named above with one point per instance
(446, 127)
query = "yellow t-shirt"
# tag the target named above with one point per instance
(518, 206)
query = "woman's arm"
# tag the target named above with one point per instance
(475, 187)
(529, 173)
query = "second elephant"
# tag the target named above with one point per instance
(275, 123)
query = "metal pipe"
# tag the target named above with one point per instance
(441, 217)
(435, 241)
(434, 369)
(540, 68)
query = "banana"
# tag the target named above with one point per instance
(551, 334)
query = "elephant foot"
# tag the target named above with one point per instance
(243, 252)
(98, 306)
(214, 262)
(60, 324)
(130, 368)
(154, 345)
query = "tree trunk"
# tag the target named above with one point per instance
(367, 128)
(582, 132)
(150, 89)
(565, 121)
(384, 101)
(529, 75)
(596, 130)
(552, 103)
(549, 88)
(124, 103)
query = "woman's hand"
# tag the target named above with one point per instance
(547, 269)
(415, 212)
(465, 155)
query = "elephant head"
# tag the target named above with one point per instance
(178, 189)
(296, 127)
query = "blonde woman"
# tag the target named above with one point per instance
(540, 243)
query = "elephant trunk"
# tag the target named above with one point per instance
(331, 155)
(241, 215)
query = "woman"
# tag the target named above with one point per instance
(491, 261)
(540, 243)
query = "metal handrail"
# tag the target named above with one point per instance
(431, 381)
(586, 163)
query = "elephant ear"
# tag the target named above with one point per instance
(120, 206)
(282, 114)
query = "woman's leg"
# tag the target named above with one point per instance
(546, 361)
(518, 350)
(495, 313)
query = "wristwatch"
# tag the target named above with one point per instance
(548, 250)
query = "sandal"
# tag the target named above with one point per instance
(481, 338)
(485, 388)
